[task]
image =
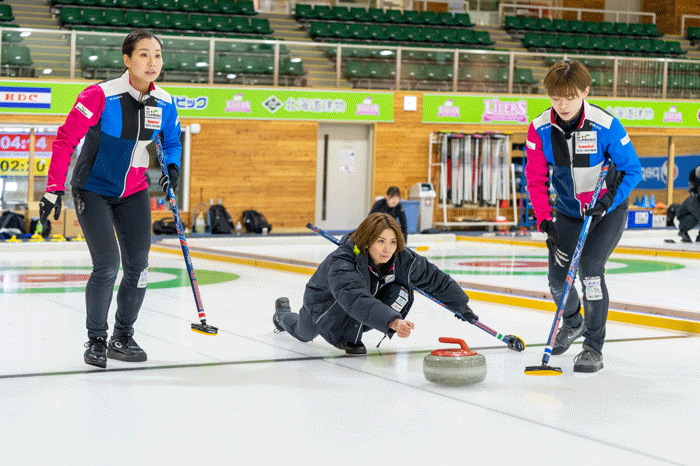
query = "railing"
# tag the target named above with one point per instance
(683, 18)
(97, 56)
(518, 8)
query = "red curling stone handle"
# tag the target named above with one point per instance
(453, 352)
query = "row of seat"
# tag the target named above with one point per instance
(574, 26)
(381, 33)
(240, 7)
(652, 80)
(305, 12)
(387, 70)
(17, 56)
(603, 44)
(189, 62)
(182, 21)
(693, 35)
(446, 56)
(592, 62)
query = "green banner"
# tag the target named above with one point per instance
(217, 102)
(505, 110)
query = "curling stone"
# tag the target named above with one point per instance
(454, 366)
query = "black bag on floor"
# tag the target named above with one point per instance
(220, 221)
(255, 221)
(12, 221)
(165, 227)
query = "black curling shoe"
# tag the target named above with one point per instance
(281, 308)
(352, 348)
(96, 353)
(124, 348)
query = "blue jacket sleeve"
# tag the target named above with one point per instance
(171, 136)
(623, 154)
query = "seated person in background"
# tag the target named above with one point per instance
(391, 205)
(367, 283)
(688, 215)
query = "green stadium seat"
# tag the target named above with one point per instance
(221, 23)
(605, 27)
(201, 22)
(159, 20)
(430, 18)
(395, 16)
(447, 19)
(116, 18)
(355, 70)
(260, 26)
(293, 67)
(208, 6)
(169, 60)
(94, 17)
(544, 25)
(414, 34)
(341, 13)
(412, 17)
(114, 59)
(360, 15)
(180, 21)
(246, 7)
(6, 13)
(642, 46)
(596, 77)
(303, 12)
(377, 15)
(577, 27)
(590, 27)
(635, 29)
(170, 5)
(528, 23)
(449, 36)
(533, 40)
(359, 31)
(621, 29)
(378, 32)
(375, 70)
(512, 23)
(673, 48)
(137, 19)
(432, 35)
(561, 25)
(71, 15)
(241, 25)
(92, 58)
(651, 30)
(319, 29)
(463, 20)
(340, 31)
(483, 38)
(323, 12)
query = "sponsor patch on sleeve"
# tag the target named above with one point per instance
(531, 145)
(84, 110)
(625, 140)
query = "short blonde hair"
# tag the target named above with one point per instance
(566, 78)
(372, 228)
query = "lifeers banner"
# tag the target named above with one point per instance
(520, 110)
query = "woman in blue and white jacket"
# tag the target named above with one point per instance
(109, 128)
(574, 137)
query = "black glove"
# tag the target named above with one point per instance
(173, 174)
(601, 207)
(555, 254)
(50, 201)
(467, 315)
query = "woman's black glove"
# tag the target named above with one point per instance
(174, 174)
(50, 201)
(555, 254)
(467, 315)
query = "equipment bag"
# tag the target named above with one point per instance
(165, 227)
(255, 221)
(220, 221)
(12, 220)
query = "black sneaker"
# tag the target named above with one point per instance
(565, 336)
(352, 348)
(96, 353)
(588, 360)
(124, 348)
(281, 308)
(685, 237)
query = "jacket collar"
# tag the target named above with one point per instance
(132, 90)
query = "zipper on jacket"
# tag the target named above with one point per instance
(133, 151)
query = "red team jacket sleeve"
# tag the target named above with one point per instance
(85, 113)
(537, 173)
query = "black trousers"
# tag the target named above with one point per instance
(100, 217)
(601, 241)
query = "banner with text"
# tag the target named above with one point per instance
(502, 109)
(218, 102)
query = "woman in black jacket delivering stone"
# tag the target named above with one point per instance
(367, 283)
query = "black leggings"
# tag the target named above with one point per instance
(601, 241)
(100, 217)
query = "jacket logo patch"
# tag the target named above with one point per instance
(154, 112)
(152, 123)
(84, 110)
(586, 142)
(625, 140)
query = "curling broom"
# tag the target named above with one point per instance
(202, 327)
(544, 369)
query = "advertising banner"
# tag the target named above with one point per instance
(218, 102)
(506, 110)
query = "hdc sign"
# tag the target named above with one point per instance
(25, 97)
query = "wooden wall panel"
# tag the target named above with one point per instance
(263, 165)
